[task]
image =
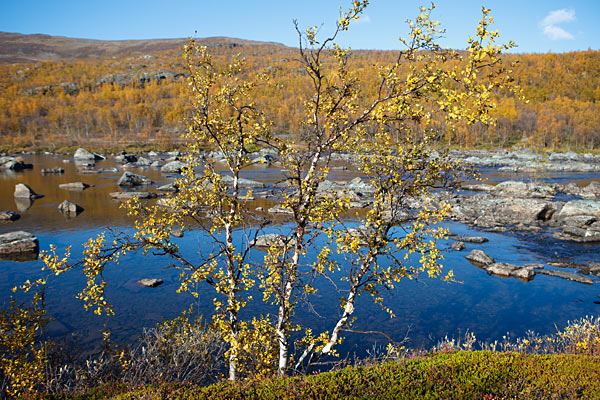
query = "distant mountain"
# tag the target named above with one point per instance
(17, 47)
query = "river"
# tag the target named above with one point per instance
(492, 307)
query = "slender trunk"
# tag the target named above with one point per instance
(342, 321)
(284, 306)
(231, 306)
(291, 273)
(349, 307)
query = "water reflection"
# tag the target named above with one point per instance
(23, 203)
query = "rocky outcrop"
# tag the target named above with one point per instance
(130, 179)
(527, 161)
(486, 210)
(579, 221)
(22, 191)
(529, 190)
(580, 207)
(19, 246)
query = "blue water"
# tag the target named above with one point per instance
(428, 309)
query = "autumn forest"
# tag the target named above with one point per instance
(142, 99)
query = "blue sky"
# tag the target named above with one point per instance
(536, 26)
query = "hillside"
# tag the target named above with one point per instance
(19, 48)
(57, 92)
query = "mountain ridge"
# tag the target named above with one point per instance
(19, 47)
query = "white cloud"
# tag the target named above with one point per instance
(549, 24)
(556, 33)
(558, 16)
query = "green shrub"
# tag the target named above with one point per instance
(455, 375)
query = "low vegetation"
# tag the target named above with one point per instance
(455, 375)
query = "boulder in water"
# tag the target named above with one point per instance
(69, 208)
(19, 246)
(22, 191)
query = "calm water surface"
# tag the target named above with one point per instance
(487, 305)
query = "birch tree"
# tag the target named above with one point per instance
(371, 121)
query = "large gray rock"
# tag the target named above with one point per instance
(82, 155)
(22, 191)
(69, 208)
(173, 167)
(501, 269)
(19, 246)
(130, 179)
(580, 207)
(486, 210)
(479, 258)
